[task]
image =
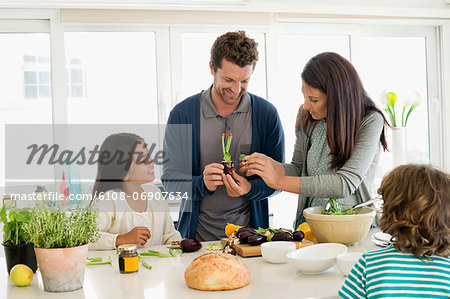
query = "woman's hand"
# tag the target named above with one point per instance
(138, 235)
(267, 168)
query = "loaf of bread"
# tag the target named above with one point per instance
(216, 271)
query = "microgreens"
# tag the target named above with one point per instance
(226, 153)
(62, 227)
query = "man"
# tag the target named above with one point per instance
(225, 107)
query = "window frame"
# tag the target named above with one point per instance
(162, 57)
(19, 26)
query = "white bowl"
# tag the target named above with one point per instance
(275, 252)
(316, 258)
(346, 261)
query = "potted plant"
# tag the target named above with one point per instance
(389, 100)
(228, 165)
(61, 235)
(16, 241)
(393, 107)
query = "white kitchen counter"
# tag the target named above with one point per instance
(166, 280)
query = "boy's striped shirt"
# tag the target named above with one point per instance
(388, 273)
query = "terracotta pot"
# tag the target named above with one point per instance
(62, 269)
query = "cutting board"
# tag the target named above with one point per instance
(246, 250)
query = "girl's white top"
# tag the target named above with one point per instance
(116, 217)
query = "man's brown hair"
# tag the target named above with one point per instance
(416, 209)
(235, 47)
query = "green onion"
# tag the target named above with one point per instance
(214, 247)
(91, 263)
(154, 253)
(144, 263)
(175, 252)
(174, 247)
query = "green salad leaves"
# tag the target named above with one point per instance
(336, 209)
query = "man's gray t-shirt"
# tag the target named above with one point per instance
(219, 208)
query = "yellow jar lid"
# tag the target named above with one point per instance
(127, 247)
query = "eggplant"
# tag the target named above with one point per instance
(298, 235)
(282, 236)
(243, 237)
(190, 245)
(256, 240)
(245, 229)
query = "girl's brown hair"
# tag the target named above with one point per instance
(416, 210)
(111, 172)
(347, 103)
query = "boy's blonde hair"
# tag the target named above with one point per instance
(416, 209)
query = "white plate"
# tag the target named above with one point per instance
(382, 237)
(379, 243)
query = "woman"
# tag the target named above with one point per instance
(131, 211)
(338, 132)
(416, 212)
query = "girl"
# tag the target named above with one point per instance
(416, 212)
(131, 211)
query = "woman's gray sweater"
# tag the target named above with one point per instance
(356, 175)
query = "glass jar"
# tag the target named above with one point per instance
(128, 258)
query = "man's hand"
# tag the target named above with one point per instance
(138, 235)
(237, 185)
(212, 176)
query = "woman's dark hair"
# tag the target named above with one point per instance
(416, 209)
(114, 160)
(347, 103)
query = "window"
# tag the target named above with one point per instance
(194, 72)
(36, 77)
(292, 55)
(25, 86)
(400, 67)
(115, 75)
(75, 78)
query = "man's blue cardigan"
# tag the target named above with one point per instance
(182, 173)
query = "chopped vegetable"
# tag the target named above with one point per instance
(144, 263)
(214, 247)
(175, 252)
(154, 253)
(174, 247)
(98, 261)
